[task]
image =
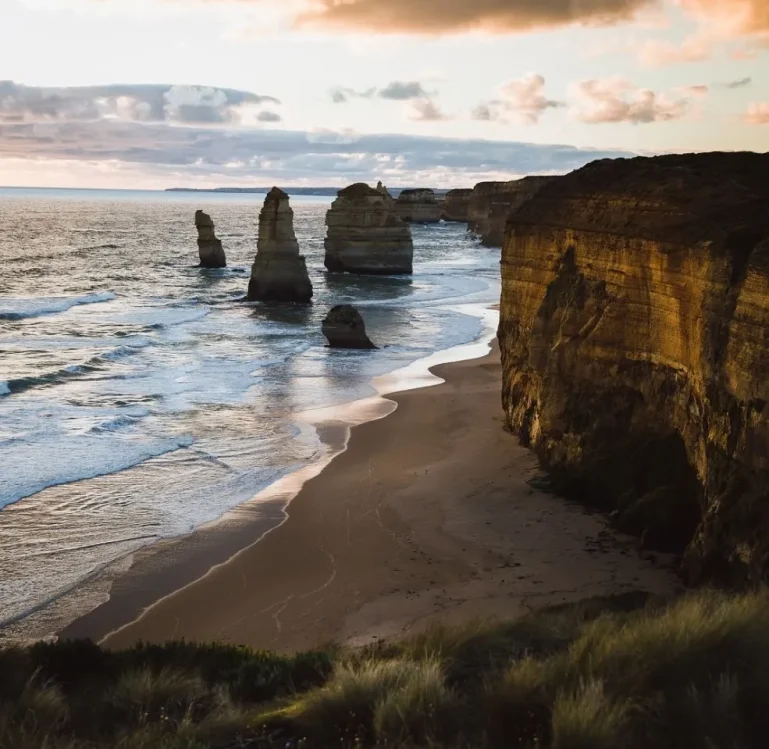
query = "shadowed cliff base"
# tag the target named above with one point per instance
(635, 334)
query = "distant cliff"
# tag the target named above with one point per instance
(457, 205)
(634, 330)
(491, 203)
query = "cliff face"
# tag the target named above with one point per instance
(418, 206)
(634, 331)
(492, 202)
(456, 205)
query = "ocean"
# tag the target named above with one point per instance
(141, 398)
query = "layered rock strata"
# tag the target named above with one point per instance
(344, 328)
(365, 235)
(279, 273)
(634, 330)
(209, 247)
(418, 206)
(456, 205)
(492, 202)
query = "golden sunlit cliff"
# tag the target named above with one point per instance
(634, 332)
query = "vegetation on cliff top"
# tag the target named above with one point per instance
(606, 673)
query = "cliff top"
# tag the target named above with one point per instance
(276, 194)
(358, 190)
(679, 199)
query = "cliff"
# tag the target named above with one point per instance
(634, 331)
(279, 272)
(492, 202)
(365, 235)
(418, 206)
(456, 205)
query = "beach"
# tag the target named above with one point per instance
(427, 516)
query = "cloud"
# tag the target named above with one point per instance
(654, 53)
(341, 95)
(732, 17)
(240, 156)
(757, 113)
(616, 100)
(738, 83)
(427, 110)
(268, 116)
(524, 98)
(182, 105)
(403, 91)
(446, 16)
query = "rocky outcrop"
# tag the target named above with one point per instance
(457, 205)
(365, 235)
(279, 273)
(382, 189)
(492, 202)
(418, 206)
(209, 247)
(344, 328)
(634, 330)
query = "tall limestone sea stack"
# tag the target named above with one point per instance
(365, 234)
(209, 247)
(492, 202)
(634, 330)
(418, 206)
(279, 273)
(456, 205)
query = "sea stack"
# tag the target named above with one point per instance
(344, 328)
(365, 234)
(279, 273)
(382, 189)
(634, 331)
(456, 205)
(209, 247)
(492, 202)
(418, 206)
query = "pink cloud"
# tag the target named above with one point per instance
(658, 52)
(523, 98)
(757, 113)
(614, 100)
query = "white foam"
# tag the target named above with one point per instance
(18, 308)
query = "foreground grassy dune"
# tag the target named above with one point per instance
(603, 674)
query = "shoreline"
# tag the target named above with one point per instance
(424, 515)
(152, 572)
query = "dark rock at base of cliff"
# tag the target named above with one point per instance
(209, 247)
(634, 331)
(344, 328)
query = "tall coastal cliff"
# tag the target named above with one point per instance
(634, 331)
(492, 202)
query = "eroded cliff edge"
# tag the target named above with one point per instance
(634, 330)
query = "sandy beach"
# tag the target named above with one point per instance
(428, 515)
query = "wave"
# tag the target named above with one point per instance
(40, 465)
(24, 307)
(94, 364)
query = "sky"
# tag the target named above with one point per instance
(442, 93)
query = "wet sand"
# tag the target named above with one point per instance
(428, 515)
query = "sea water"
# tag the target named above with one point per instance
(140, 397)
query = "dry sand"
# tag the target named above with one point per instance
(428, 515)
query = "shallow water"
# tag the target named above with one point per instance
(139, 398)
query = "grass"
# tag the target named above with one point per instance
(617, 673)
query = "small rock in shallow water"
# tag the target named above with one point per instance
(344, 328)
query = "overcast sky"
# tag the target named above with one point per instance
(159, 93)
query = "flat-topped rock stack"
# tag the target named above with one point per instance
(279, 273)
(365, 235)
(418, 206)
(456, 205)
(492, 202)
(209, 247)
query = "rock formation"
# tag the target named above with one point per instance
(492, 202)
(634, 331)
(418, 206)
(209, 247)
(344, 328)
(456, 205)
(279, 273)
(365, 234)
(382, 189)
